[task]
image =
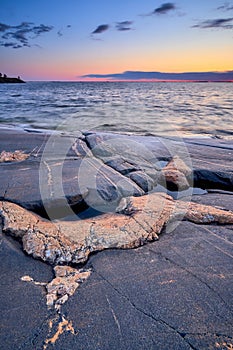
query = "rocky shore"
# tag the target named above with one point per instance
(64, 198)
(8, 80)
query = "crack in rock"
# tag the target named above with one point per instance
(193, 274)
(139, 309)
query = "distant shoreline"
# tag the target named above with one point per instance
(8, 80)
(128, 81)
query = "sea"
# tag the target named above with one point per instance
(186, 109)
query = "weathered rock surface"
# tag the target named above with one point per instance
(176, 292)
(65, 283)
(209, 159)
(98, 169)
(177, 174)
(140, 220)
(13, 156)
(60, 173)
(66, 242)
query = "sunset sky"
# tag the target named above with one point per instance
(66, 39)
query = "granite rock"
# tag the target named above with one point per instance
(177, 174)
(13, 156)
(171, 294)
(65, 283)
(138, 220)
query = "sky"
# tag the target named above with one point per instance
(72, 40)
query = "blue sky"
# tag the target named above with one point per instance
(63, 40)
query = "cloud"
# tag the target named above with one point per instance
(60, 32)
(100, 29)
(161, 10)
(226, 7)
(13, 45)
(224, 23)
(164, 8)
(140, 75)
(41, 29)
(4, 27)
(22, 34)
(124, 26)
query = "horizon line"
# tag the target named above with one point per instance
(132, 80)
(226, 75)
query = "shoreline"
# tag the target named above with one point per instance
(9, 80)
(27, 129)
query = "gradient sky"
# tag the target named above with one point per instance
(65, 39)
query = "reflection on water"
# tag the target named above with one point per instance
(145, 108)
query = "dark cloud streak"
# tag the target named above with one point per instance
(100, 29)
(124, 26)
(20, 36)
(223, 23)
(164, 8)
(4, 27)
(226, 7)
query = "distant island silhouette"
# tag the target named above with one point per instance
(226, 76)
(4, 79)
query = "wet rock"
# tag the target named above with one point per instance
(126, 156)
(209, 159)
(41, 182)
(104, 187)
(208, 179)
(143, 180)
(60, 176)
(65, 174)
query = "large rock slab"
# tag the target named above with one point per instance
(209, 159)
(59, 173)
(172, 294)
(64, 173)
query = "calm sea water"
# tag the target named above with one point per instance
(184, 109)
